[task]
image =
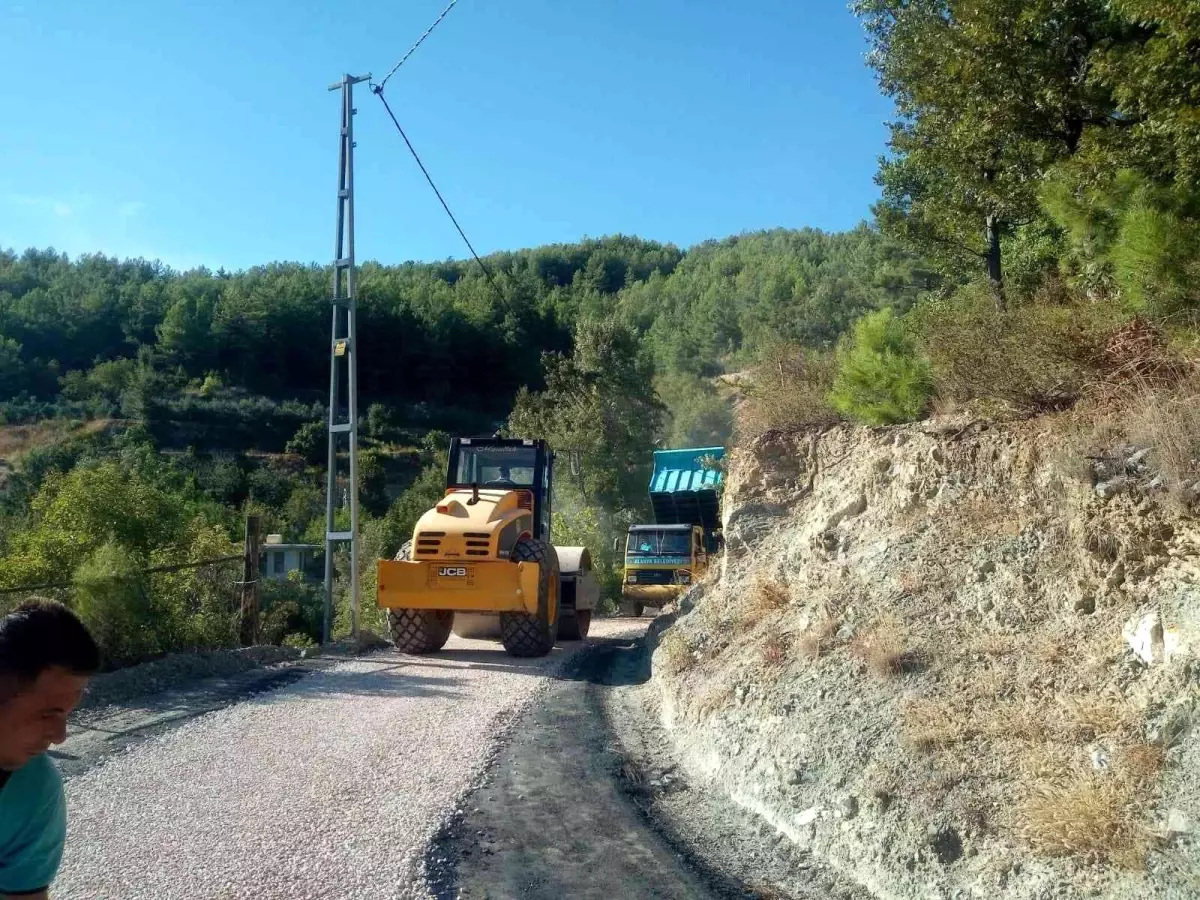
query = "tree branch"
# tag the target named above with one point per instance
(950, 242)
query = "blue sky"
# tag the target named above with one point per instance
(202, 133)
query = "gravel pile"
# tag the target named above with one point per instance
(329, 788)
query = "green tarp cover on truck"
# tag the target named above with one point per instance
(682, 491)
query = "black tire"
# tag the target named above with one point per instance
(523, 634)
(638, 609)
(575, 625)
(418, 630)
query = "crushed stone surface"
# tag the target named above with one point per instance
(330, 787)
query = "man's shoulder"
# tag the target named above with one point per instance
(37, 780)
(33, 827)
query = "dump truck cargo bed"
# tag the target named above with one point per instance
(683, 491)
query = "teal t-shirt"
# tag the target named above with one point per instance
(33, 826)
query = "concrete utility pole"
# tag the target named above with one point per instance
(342, 348)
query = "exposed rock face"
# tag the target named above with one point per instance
(928, 704)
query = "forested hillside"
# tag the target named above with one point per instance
(728, 300)
(86, 334)
(190, 386)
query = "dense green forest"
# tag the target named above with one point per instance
(1035, 248)
(103, 337)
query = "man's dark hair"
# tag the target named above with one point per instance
(41, 634)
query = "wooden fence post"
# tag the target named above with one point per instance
(250, 578)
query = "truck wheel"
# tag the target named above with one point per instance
(534, 635)
(638, 609)
(575, 625)
(418, 630)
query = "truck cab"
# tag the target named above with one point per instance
(660, 562)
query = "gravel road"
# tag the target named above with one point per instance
(330, 787)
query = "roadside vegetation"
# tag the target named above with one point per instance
(1042, 165)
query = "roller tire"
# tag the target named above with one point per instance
(418, 631)
(575, 625)
(528, 635)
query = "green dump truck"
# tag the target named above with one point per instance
(663, 559)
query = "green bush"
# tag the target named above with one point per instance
(304, 505)
(101, 522)
(270, 486)
(76, 514)
(222, 479)
(290, 608)
(211, 385)
(881, 378)
(436, 443)
(199, 608)
(380, 419)
(310, 441)
(372, 481)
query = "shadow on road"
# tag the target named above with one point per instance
(390, 681)
(577, 668)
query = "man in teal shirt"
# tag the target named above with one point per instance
(46, 658)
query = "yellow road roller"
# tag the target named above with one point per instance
(480, 563)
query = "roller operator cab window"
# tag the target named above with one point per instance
(659, 543)
(509, 467)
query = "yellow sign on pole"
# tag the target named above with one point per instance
(339, 348)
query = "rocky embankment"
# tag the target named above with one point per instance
(952, 660)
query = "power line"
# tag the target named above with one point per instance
(174, 567)
(378, 90)
(486, 271)
(413, 48)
